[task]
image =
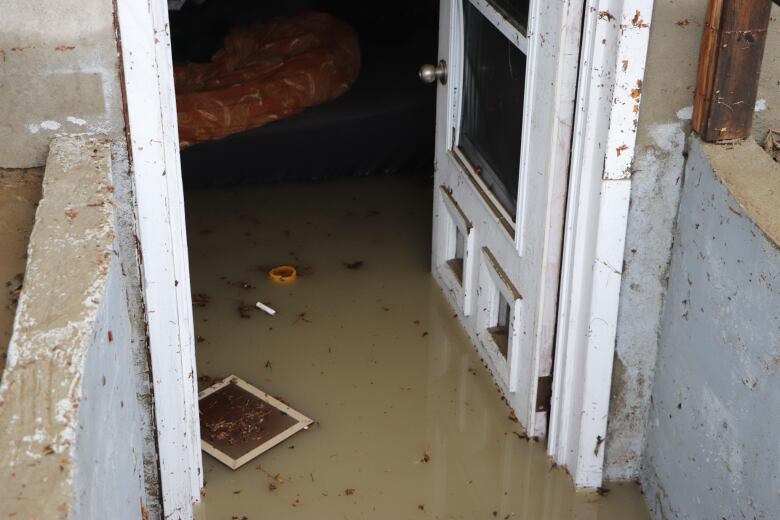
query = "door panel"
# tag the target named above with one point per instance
(503, 134)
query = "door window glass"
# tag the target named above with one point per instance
(517, 10)
(492, 105)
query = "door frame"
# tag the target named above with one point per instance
(612, 62)
(612, 67)
(146, 73)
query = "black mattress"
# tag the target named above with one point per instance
(384, 123)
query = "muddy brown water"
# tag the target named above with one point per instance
(409, 422)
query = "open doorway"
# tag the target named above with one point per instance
(408, 420)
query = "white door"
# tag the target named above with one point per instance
(506, 89)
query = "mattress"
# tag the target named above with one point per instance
(384, 123)
(265, 72)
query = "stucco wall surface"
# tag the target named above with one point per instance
(712, 444)
(71, 446)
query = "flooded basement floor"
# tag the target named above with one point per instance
(409, 423)
(20, 192)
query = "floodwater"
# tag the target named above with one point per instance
(409, 423)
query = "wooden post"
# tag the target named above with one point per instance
(729, 67)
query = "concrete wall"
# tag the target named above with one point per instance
(655, 187)
(71, 446)
(60, 75)
(664, 123)
(712, 442)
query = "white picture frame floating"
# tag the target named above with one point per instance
(240, 422)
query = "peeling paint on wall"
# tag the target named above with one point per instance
(712, 449)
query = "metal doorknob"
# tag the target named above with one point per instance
(430, 73)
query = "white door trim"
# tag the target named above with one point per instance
(612, 65)
(147, 75)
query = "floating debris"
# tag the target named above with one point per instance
(241, 284)
(283, 274)
(238, 422)
(243, 310)
(201, 299)
(265, 308)
(207, 380)
(302, 317)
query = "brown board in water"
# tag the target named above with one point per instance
(239, 422)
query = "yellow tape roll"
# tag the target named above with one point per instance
(283, 274)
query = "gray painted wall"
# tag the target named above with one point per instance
(109, 444)
(712, 441)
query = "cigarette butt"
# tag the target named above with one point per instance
(265, 308)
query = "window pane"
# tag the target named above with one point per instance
(517, 10)
(492, 112)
